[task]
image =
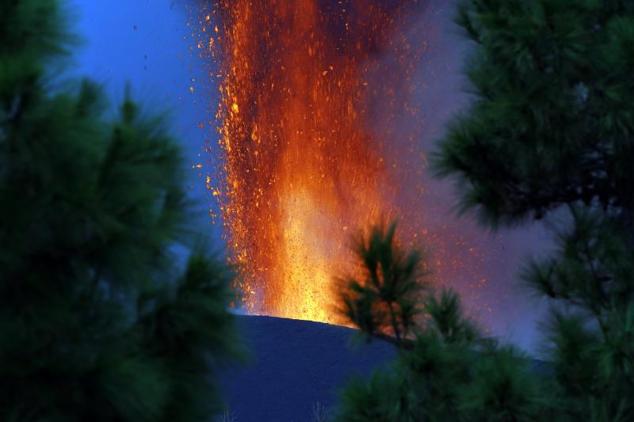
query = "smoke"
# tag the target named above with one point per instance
(481, 265)
(329, 113)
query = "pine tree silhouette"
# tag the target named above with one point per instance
(549, 132)
(98, 320)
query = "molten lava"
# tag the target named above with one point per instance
(303, 167)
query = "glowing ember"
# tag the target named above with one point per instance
(303, 166)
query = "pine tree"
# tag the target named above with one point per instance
(98, 319)
(385, 300)
(445, 369)
(551, 132)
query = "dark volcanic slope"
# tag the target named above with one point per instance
(294, 365)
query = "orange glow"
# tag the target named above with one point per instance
(303, 167)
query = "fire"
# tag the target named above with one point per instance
(303, 166)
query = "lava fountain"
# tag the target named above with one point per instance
(303, 166)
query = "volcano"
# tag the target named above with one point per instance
(304, 166)
(295, 368)
(328, 111)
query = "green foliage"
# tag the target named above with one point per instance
(552, 118)
(445, 370)
(33, 34)
(98, 320)
(190, 330)
(503, 389)
(384, 298)
(551, 127)
(446, 318)
(380, 399)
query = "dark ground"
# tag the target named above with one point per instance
(295, 366)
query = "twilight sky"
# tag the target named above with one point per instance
(149, 44)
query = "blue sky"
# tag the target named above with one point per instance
(148, 44)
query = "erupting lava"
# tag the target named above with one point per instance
(303, 167)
